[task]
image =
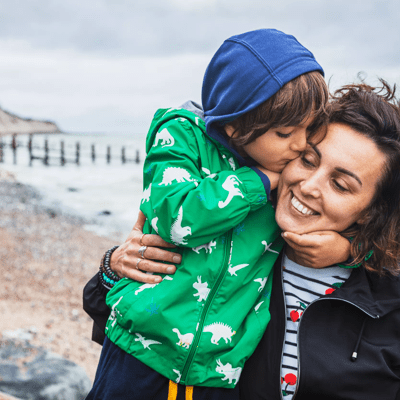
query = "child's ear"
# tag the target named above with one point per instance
(229, 129)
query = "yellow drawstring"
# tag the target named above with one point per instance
(189, 392)
(172, 390)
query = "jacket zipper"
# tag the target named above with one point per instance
(206, 307)
(298, 330)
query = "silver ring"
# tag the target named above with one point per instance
(137, 263)
(141, 238)
(142, 250)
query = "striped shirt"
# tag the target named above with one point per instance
(301, 286)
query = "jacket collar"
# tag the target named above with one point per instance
(373, 294)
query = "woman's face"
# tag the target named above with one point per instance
(330, 185)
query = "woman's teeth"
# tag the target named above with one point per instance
(298, 206)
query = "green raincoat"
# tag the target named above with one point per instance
(199, 326)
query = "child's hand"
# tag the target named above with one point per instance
(272, 176)
(319, 249)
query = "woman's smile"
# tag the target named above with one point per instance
(301, 207)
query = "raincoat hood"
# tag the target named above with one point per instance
(247, 70)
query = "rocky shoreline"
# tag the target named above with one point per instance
(46, 258)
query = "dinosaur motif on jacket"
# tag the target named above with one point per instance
(232, 269)
(232, 374)
(202, 289)
(178, 232)
(267, 247)
(166, 139)
(219, 331)
(146, 194)
(113, 314)
(151, 285)
(208, 247)
(184, 340)
(145, 342)
(231, 186)
(177, 174)
(262, 282)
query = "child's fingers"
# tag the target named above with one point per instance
(299, 241)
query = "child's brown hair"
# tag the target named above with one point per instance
(303, 97)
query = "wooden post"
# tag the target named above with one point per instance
(77, 153)
(123, 158)
(62, 155)
(108, 154)
(14, 147)
(30, 149)
(137, 160)
(46, 153)
(93, 154)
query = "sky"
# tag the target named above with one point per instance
(106, 66)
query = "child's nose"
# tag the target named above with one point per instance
(300, 141)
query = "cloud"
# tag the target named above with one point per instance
(71, 61)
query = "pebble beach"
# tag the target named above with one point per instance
(46, 257)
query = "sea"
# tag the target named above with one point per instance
(106, 193)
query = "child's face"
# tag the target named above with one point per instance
(278, 146)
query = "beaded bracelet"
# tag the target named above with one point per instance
(107, 277)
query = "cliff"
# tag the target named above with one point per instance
(11, 123)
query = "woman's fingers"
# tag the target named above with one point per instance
(155, 267)
(140, 276)
(155, 241)
(154, 253)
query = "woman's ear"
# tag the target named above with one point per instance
(363, 218)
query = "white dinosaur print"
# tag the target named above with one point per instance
(232, 374)
(208, 172)
(232, 269)
(230, 185)
(184, 340)
(202, 289)
(151, 285)
(262, 282)
(146, 194)
(267, 247)
(232, 163)
(113, 314)
(165, 137)
(145, 342)
(177, 174)
(196, 119)
(178, 379)
(178, 232)
(258, 306)
(154, 223)
(208, 247)
(219, 331)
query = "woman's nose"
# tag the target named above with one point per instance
(310, 186)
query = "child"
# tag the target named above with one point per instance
(207, 182)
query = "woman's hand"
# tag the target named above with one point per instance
(318, 249)
(126, 261)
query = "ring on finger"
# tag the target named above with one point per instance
(137, 263)
(141, 238)
(142, 250)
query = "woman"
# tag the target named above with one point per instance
(334, 333)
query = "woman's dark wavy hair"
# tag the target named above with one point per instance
(374, 112)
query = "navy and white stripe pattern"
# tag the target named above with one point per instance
(301, 286)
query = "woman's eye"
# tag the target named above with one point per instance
(339, 187)
(306, 162)
(283, 135)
